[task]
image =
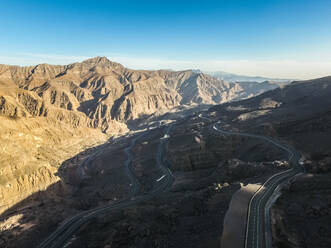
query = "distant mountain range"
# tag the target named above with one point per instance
(98, 92)
(231, 77)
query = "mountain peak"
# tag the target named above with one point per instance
(102, 62)
(97, 60)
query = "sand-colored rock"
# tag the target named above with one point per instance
(104, 90)
(32, 149)
(48, 113)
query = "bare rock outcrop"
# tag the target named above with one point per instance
(104, 90)
(48, 113)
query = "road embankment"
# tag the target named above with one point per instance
(235, 219)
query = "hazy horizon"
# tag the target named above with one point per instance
(275, 38)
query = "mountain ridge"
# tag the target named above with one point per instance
(53, 107)
(232, 77)
(104, 90)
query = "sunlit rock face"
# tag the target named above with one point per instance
(104, 90)
(48, 113)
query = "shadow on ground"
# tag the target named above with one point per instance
(100, 181)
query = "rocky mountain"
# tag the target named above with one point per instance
(50, 116)
(49, 113)
(189, 213)
(250, 89)
(298, 102)
(101, 91)
(251, 86)
(299, 113)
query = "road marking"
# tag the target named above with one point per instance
(256, 223)
(158, 180)
(60, 235)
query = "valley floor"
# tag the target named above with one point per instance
(190, 213)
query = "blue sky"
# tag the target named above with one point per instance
(284, 38)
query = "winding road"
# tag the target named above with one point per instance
(257, 228)
(61, 235)
(257, 216)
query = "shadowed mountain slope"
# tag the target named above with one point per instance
(50, 112)
(104, 91)
(299, 113)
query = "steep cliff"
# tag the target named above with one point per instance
(49, 113)
(105, 91)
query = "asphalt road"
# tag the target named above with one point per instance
(60, 236)
(256, 228)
